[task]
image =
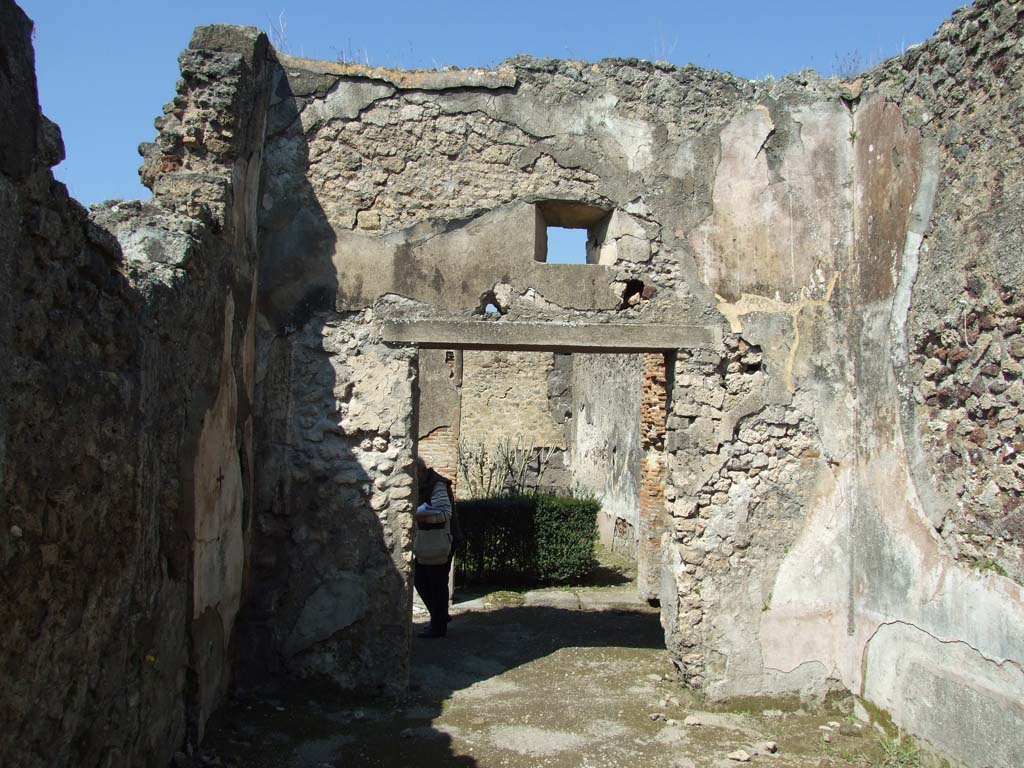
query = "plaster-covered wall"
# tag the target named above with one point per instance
(789, 213)
(952, 326)
(840, 478)
(606, 450)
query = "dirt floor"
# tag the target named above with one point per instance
(562, 678)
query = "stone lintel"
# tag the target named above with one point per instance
(551, 337)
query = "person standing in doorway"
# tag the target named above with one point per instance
(433, 546)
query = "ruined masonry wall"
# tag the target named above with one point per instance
(80, 551)
(606, 451)
(954, 338)
(841, 481)
(505, 394)
(653, 469)
(333, 508)
(125, 439)
(964, 324)
(793, 214)
(732, 461)
(508, 396)
(440, 449)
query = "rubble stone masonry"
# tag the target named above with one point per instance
(126, 451)
(206, 443)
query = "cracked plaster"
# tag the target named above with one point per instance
(796, 488)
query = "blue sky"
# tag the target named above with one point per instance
(106, 68)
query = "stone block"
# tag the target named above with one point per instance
(691, 555)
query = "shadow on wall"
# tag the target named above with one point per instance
(126, 469)
(329, 598)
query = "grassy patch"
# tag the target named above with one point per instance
(623, 566)
(988, 565)
(885, 753)
(504, 597)
(898, 753)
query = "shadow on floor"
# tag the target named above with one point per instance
(488, 643)
(298, 725)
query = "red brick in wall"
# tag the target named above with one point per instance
(653, 518)
(440, 449)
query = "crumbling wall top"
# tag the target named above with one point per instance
(503, 76)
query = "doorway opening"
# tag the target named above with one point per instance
(501, 423)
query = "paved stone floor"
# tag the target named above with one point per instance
(560, 678)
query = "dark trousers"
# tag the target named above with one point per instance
(431, 583)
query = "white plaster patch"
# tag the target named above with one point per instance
(776, 224)
(345, 102)
(382, 390)
(219, 551)
(332, 607)
(807, 615)
(949, 693)
(634, 139)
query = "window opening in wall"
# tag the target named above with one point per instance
(489, 305)
(569, 232)
(567, 246)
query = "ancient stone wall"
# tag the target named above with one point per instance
(484, 253)
(333, 507)
(606, 452)
(735, 462)
(84, 593)
(953, 332)
(505, 394)
(508, 396)
(192, 250)
(841, 444)
(126, 445)
(781, 210)
(963, 322)
(653, 469)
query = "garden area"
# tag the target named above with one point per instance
(519, 532)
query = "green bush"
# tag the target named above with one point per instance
(499, 538)
(566, 530)
(522, 539)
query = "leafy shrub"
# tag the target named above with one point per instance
(566, 530)
(525, 539)
(499, 538)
